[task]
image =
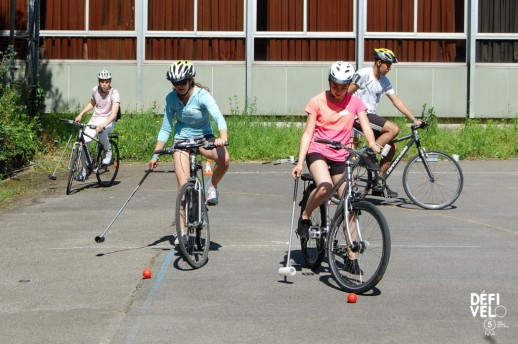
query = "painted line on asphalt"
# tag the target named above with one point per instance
(149, 299)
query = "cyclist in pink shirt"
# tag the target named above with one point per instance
(330, 115)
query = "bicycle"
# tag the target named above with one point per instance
(357, 227)
(191, 200)
(105, 173)
(431, 179)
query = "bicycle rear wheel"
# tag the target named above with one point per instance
(313, 249)
(106, 173)
(195, 249)
(372, 251)
(434, 184)
(74, 166)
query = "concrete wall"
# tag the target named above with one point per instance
(286, 88)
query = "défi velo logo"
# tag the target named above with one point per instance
(487, 306)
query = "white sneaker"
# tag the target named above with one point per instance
(81, 177)
(212, 195)
(107, 157)
(184, 238)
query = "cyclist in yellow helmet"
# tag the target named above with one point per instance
(370, 84)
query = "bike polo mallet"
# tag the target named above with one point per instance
(288, 270)
(100, 238)
(53, 175)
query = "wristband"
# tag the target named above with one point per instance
(414, 120)
(155, 157)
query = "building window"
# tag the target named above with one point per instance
(212, 30)
(497, 39)
(417, 30)
(304, 30)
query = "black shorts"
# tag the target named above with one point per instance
(335, 167)
(376, 123)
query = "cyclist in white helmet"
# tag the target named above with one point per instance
(190, 106)
(330, 115)
(105, 102)
(370, 84)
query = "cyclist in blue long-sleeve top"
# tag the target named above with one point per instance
(190, 107)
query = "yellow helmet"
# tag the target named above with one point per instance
(385, 55)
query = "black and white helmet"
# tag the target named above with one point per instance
(180, 70)
(104, 75)
(341, 72)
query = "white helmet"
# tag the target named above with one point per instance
(104, 75)
(341, 72)
(180, 70)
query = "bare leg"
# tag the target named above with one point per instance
(221, 158)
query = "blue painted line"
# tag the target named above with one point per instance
(138, 324)
(158, 279)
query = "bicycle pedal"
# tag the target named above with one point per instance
(314, 232)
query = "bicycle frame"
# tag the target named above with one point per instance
(413, 138)
(82, 143)
(199, 186)
(345, 203)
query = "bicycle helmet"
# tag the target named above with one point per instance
(104, 75)
(180, 70)
(385, 55)
(341, 72)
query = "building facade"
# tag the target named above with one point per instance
(457, 56)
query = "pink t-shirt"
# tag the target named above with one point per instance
(334, 121)
(104, 101)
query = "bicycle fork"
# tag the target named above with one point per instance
(355, 246)
(194, 220)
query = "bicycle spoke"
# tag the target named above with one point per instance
(434, 185)
(359, 266)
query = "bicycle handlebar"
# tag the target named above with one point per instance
(187, 145)
(71, 122)
(423, 125)
(339, 145)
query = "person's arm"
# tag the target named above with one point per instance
(86, 109)
(163, 134)
(352, 87)
(305, 140)
(367, 131)
(111, 118)
(210, 105)
(398, 104)
(153, 162)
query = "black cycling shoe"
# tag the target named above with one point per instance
(380, 193)
(369, 162)
(352, 266)
(303, 228)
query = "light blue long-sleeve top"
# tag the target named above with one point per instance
(192, 119)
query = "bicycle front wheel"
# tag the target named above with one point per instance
(106, 173)
(435, 183)
(369, 252)
(192, 223)
(74, 166)
(313, 249)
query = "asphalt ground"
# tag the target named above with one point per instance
(59, 286)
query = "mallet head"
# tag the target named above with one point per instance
(287, 271)
(99, 239)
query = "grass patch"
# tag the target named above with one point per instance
(261, 138)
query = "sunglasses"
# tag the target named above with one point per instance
(181, 83)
